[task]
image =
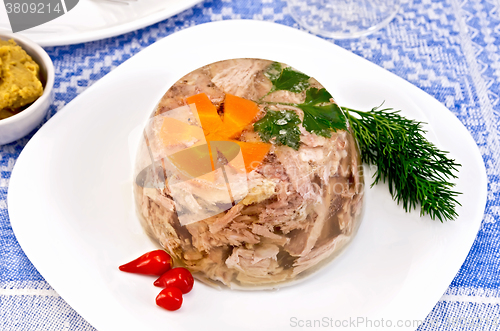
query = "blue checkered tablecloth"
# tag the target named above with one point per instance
(448, 48)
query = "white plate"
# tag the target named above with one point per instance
(71, 206)
(99, 19)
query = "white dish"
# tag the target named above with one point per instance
(71, 205)
(98, 19)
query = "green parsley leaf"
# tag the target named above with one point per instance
(316, 96)
(321, 116)
(321, 120)
(281, 125)
(286, 79)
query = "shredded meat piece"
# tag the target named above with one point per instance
(299, 172)
(199, 81)
(319, 254)
(310, 139)
(286, 95)
(242, 77)
(264, 231)
(257, 262)
(160, 199)
(222, 221)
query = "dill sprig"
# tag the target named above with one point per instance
(416, 171)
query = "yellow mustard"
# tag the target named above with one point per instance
(19, 79)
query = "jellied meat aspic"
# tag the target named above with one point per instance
(232, 208)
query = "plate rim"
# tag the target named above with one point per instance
(483, 176)
(54, 39)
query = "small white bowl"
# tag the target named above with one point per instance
(19, 125)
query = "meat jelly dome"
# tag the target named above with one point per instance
(243, 205)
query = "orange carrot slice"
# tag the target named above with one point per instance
(238, 113)
(174, 132)
(253, 153)
(210, 119)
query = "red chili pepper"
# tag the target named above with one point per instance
(176, 277)
(153, 263)
(170, 298)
